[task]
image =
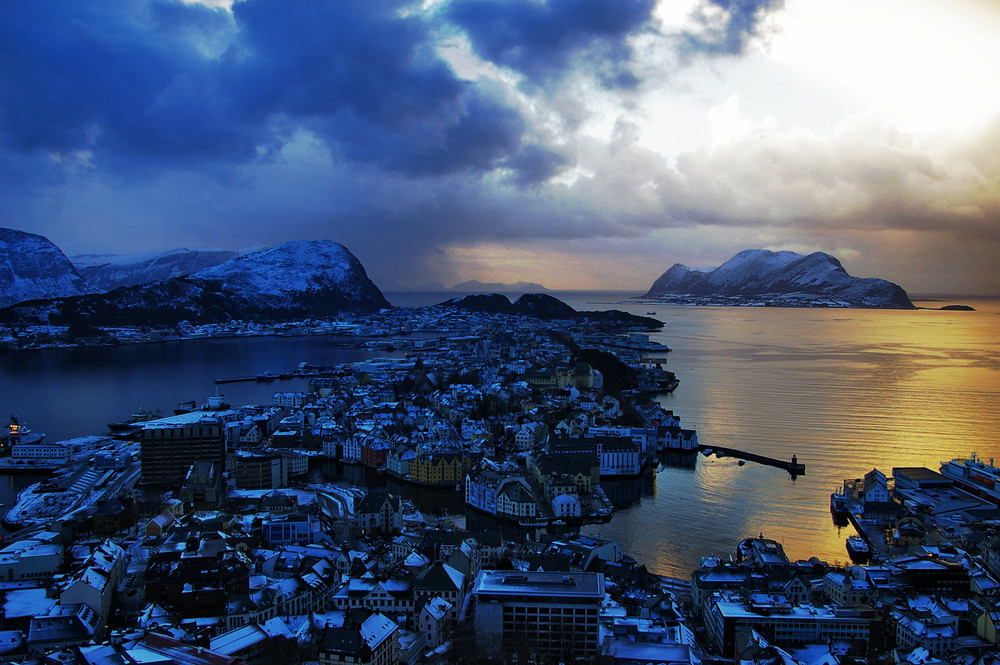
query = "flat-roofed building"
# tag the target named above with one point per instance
(31, 558)
(169, 446)
(256, 470)
(917, 477)
(544, 614)
(39, 452)
(782, 623)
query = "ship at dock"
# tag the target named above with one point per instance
(839, 507)
(17, 433)
(134, 422)
(974, 476)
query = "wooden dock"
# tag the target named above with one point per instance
(793, 466)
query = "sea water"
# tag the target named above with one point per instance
(846, 390)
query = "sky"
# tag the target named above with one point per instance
(580, 144)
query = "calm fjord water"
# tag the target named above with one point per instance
(845, 390)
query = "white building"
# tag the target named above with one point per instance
(352, 450)
(515, 500)
(95, 585)
(530, 434)
(566, 505)
(619, 456)
(500, 492)
(434, 623)
(30, 559)
(876, 487)
(39, 452)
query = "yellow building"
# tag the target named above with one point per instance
(440, 468)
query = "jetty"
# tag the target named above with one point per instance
(236, 379)
(793, 466)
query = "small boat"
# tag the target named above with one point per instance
(742, 462)
(858, 549)
(651, 313)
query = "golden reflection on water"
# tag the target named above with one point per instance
(845, 390)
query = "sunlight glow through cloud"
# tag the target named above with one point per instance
(446, 139)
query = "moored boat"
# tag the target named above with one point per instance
(974, 476)
(132, 423)
(17, 433)
(858, 549)
(839, 508)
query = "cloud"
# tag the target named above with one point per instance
(134, 125)
(534, 164)
(159, 83)
(725, 27)
(544, 40)
(112, 75)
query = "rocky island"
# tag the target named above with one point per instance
(783, 279)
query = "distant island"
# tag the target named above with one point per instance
(475, 286)
(544, 306)
(759, 277)
(469, 286)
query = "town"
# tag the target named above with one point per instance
(202, 537)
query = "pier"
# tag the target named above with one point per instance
(236, 379)
(794, 467)
(870, 531)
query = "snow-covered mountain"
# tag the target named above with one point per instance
(758, 276)
(104, 272)
(32, 267)
(301, 279)
(300, 272)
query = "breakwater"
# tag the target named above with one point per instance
(793, 466)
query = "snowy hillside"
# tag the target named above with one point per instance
(31, 267)
(104, 272)
(299, 269)
(295, 280)
(758, 276)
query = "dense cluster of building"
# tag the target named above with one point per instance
(202, 538)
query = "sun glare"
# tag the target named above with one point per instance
(935, 65)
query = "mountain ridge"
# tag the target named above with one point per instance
(104, 272)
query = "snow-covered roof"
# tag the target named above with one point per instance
(376, 629)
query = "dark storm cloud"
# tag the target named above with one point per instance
(726, 26)
(118, 75)
(541, 39)
(153, 83)
(534, 164)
